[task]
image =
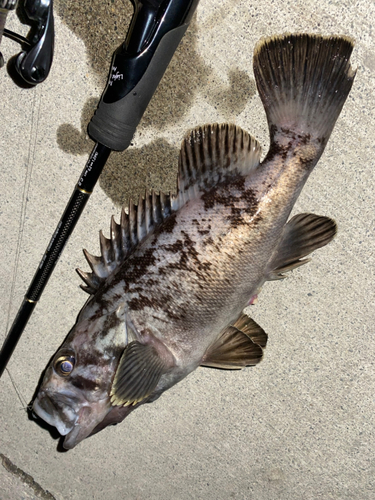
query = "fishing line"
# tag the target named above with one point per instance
(29, 169)
(25, 406)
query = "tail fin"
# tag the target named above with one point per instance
(303, 81)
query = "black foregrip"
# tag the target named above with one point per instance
(114, 123)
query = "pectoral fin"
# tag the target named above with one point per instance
(303, 234)
(137, 374)
(234, 349)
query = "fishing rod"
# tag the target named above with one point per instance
(156, 29)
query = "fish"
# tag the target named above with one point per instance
(168, 292)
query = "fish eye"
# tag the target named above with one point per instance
(64, 365)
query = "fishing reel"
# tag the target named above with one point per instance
(34, 62)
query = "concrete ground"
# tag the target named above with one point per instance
(298, 426)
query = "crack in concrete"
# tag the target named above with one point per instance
(26, 479)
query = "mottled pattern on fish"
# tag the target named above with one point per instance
(168, 291)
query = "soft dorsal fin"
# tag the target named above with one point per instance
(212, 154)
(234, 349)
(303, 234)
(209, 155)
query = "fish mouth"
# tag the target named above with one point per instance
(74, 419)
(59, 414)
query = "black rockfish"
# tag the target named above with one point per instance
(168, 291)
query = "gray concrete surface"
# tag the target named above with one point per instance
(300, 425)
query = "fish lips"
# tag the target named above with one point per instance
(73, 418)
(57, 412)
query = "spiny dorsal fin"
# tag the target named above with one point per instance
(134, 226)
(303, 234)
(234, 349)
(208, 155)
(137, 374)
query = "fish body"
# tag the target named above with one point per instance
(167, 293)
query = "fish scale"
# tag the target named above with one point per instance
(168, 290)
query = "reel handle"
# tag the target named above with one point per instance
(34, 64)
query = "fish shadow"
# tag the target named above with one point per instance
(128, 175)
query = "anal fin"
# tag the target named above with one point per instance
(236, 348)
(137, 374)
(251, 329)
(303, 234)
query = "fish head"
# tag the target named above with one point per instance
(74, 393)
